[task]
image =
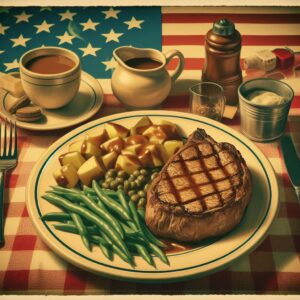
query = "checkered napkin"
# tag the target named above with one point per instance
(28, 266)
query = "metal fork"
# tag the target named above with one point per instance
(8, 160)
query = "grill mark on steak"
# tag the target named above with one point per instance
(216, 191)
(191, 179)
(193, 189)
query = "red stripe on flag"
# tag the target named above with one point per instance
(237, 18)
(247, 40)
(296, 102)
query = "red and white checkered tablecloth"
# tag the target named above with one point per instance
(28, 266)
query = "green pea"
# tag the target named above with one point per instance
(141, 178)
(122, 174)
(133, 184)
(136, 173)
(131, 178)
(126, 185)
(146, 187)
(109, 179)
(105, 185)
(141, 193)
(119, 180)
(120, 187)
(134, 198)
(130, 193)
(113, 184)
(142, 202)
(111, 173)
(144, 172)
(138, 183)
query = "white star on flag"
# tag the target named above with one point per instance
(89, 50)
(66, 38)
(110, 64)
(43, 27)
(112, 36)
(134, 23)
(12, 65)
(3, 28)
(67, 15)
(23, 17)
(89, 25)
(20, 41)
(111, 13)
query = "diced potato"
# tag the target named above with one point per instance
(91, 169)
(127, 163)
(172, 146)
(74, 158)
(115, 144)
(97, 137)
(66, 176)
(76, 146)
(109, 160)
(145, 158)
(136, 139)
(158, 134)
(157, 154)
(87, 149)
(155, 134)
(132, 149)
(141, 126)
(116, 130)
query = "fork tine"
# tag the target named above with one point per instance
(16, 140)
(5, 137)
(10, 139)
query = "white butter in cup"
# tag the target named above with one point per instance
(46, 86)
(264, 97)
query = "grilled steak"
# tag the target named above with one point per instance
(202, 191)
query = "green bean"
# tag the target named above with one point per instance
(123, 201)
(56, 216)
(88, 190)
(81, 229)
(143, 252)
(103, 226)
(104, 214)
(65, 190)
(148, 234)
(114, 206)
(106, 251)
(110, 193)
(126, 257)
(141, 213)
(71, 228)
(159, 253)
(134, 215)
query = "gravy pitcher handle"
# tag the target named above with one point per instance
(180, 66)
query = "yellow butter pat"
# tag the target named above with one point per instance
(12, 85)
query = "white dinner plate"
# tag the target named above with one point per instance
(84, 105)
(207, 257)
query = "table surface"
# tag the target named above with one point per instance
(28, 266)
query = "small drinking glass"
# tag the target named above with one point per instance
(207, 99)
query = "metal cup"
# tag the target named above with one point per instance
(264, 123)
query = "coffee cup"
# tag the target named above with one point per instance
(50, 76)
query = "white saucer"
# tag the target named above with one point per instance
(85, 104)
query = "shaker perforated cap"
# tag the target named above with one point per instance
(223, 27)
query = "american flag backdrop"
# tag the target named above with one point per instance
(27, 265)
(92, 32)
